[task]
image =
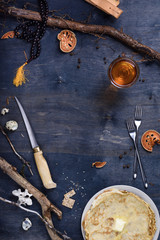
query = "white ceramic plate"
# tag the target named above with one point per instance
(136, 191)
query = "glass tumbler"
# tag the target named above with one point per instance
(123, 72)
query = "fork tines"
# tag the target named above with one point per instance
(130, 125)
(138, 112)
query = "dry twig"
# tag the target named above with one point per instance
(46, 205)
(14, 150)
(65, 237)
(25, 209)
(85, 28)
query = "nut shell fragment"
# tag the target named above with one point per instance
(99, 164)
(149, 139)
(67, 40)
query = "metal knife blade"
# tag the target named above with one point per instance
(30, 132)
(41, 162)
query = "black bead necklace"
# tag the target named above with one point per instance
(28, 32)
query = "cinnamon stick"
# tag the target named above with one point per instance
(85, 28)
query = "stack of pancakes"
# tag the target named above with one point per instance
(119, 215)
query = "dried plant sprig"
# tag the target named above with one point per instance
(25, 209)
(65, 237)
(14, 150)
(46, 205)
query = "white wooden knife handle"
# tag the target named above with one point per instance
(43, 170)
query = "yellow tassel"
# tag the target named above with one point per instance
(20, 76)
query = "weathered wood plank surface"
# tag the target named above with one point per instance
(78, 118)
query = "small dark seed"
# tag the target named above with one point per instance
(79, 60)
(104, 58)
(143, 80)
(125, 153)
(97, 47)
(120, 156)
(128, 165)
(108, 117)
(124, 166)
(78, 66)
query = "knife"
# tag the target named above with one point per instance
(41, 162)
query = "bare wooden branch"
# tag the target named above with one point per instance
(14, 150)
(85, 28)
(46, 205)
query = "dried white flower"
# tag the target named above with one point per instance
(12, 125)
(23, 197)
(26, 224)
(4, 111)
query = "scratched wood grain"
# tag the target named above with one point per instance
(77, 116)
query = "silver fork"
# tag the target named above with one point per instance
(137, 121)
(132, 133)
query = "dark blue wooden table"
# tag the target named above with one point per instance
(78, 118)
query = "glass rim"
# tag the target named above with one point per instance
(128, 60)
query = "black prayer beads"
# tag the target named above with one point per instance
(32, 31)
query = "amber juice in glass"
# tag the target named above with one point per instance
(123, 72)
